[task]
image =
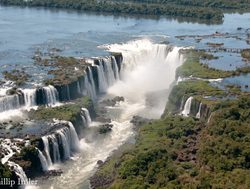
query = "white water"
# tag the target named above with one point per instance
(56, 153)
(9, 103)
(43, 161)
(29, 97)
(187, 107)
(51, 95)
(86, 116)
(89, 87)
(46, 150)
(19, 172)
(110, 76)
(198, 115)
(9, 148)
(67, 138)
(101, 79)
(147, 67)
(74, 140)
(115, 68)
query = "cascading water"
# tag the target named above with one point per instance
(101, 79)
(86, 117)
(198, 115)
(146, 68)
(67, 138)
(89, 85)
(115, 68)
(51, 95)
(187, 107)
(56, 152)
(110, 76)
(9, 148)
(43, 161)
(10, 103)
(74, 140)
(46, 150)
(20, 173)
(29, 97)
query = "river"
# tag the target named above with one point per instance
(150, 66)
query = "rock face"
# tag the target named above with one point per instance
(112, 102)
(105, 128)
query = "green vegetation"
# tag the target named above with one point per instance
(17, 76)
(177, 152)
(157, 8)
(193, 67)
(4, 171)
(204, 10)
(245, 54)
(28, 159)
(64, 70)
(186, 89)
(66, 112)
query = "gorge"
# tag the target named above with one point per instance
(99, 89)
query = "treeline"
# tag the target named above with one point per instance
(128, 7)
(218, 4)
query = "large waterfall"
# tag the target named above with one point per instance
(144, 79)
(147, 68)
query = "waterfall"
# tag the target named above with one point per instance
(46, 150)
(29, 97)
(110, 76)
(74, 138)
(51, 95)
(182, 103)
(67, 139)
(187, 107)
(10, 102)
(90, 84)
(86, 116)
(65, 143)
(9, 148)
(101, 79)
(43, 161)
(115, 68)
(147, 67)
(19, 172)
(56, 152)
(198, 115)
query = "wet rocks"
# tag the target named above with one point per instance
(112, 102)
(105, 128)
(99, 162)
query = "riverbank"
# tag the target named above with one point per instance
(201, 141)
(202, 11)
